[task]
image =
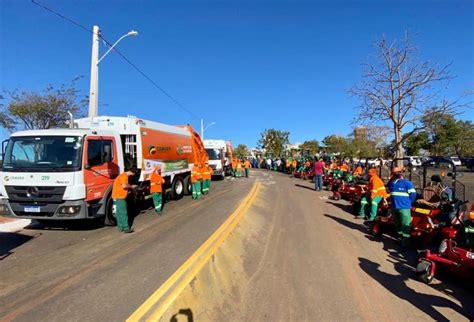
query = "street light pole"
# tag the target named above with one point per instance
(204, 129)
(94, 84)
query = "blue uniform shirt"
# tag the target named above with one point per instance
(402, 193)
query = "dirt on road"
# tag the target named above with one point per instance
(299, 256)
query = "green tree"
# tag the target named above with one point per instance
(273, 141)
(451, 137)
(310, 147)
(416, 142)
(241, 152)
(27, 110)
(336, 144)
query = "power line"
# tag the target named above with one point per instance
(161, 89)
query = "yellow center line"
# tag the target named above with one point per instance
(198, 259)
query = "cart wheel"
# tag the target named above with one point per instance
(423, 270)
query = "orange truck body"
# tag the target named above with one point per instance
(77, 167)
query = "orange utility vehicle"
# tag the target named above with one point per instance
(68, 173)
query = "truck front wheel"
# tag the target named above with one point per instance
(177, 188)
(110, 219)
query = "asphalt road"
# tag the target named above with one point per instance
(101, 275)
(295, 256)
(298, 256)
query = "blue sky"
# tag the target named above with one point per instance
(246, 65)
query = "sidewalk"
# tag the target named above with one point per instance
(10, 225)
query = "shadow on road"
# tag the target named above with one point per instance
(10, 241)
(185, 315)
(396, 284)
(346, 208)
(304, 187)
(349, 224)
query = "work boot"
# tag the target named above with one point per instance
(128, 231)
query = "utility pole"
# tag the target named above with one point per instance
(94, 85)
(202, 129)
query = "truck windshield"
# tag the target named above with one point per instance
(43, 154)
(214, 154)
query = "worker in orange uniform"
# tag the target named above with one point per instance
(333, 165)
(207, 173)
(357, 171)
(307, 164)
(196, 177)
(344, 167)
(156, 189)
(234, 168)
(120, 191)
(239, 168)
(288, 166)
(294, 165)
(376, 192)
(247, 167)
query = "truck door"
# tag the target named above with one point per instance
(100, 165)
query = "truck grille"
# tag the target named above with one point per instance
(35, 194)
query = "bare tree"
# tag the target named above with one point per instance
(400, 90)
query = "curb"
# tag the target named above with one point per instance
(14, 226)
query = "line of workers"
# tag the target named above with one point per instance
(200, 182)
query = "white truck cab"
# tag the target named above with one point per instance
(216, 150)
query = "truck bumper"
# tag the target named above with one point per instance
(74, 209)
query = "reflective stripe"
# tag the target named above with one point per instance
(375, 203)
(399, 194)
(363, 202)
(159, 206)
(411, 191)
(381, 188)
(374, 190)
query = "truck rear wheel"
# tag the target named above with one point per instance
(187, 185)
(110, 219)
(177, 188)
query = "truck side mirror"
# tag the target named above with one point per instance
(4, 146)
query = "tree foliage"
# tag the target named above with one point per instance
(273, 141)
(310, 147)
(401, 90)
(241, 152)
(28, 110)
(348, 146)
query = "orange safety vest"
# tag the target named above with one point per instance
(294, 163)
(118, 191)
(344, 167)
(377, 188)
(288, 163)
(333, 166)
(307, 164)
(239, 165)
(196, 174)
(207, 173)
(234, 164)
(247, 164)
(156, 182)
(358, 171)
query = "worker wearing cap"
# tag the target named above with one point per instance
(156, 189)
(402, 195)
(376, 192)
(120, 190)
(247, 167)
(196, 177)
(206, 178)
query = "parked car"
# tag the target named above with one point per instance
(470, 164)
(456, 161)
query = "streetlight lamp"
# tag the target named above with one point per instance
(205, 128)
(94, 84)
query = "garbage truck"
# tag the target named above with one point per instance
(66, 174)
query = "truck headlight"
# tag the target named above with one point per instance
(69, 210)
